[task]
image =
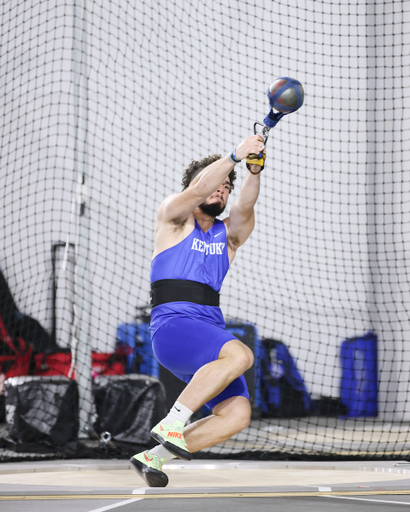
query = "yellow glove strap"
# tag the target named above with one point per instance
(255, 160)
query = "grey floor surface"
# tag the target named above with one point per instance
(100, 486)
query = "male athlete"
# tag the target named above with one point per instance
(193, 252)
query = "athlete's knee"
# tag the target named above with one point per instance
(240, 354)
(250, 357)
(236, 413)
(242, 418)
(245, 358)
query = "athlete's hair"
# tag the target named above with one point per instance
(195, 167)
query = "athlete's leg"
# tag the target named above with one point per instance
(210, 356)
(228, 418)
(234, 359)
(205, 356)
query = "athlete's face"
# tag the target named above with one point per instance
(215, 204)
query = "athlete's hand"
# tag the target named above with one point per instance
(254, 164)
(251, 145)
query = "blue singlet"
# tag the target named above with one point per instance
(186, 336)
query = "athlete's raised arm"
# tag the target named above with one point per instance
(241, 220)
(177, 208)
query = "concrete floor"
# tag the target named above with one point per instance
(201, 474)
(101, 485)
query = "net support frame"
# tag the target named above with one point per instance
(80, 344)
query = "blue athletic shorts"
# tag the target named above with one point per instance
(183, 345)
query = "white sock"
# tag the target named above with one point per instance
(162, 453)
(178, 412)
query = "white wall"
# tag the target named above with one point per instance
(388, 157)
(37, 127)
(171, 83)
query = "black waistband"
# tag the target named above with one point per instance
(179, 290)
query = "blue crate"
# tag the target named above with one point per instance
(135, 339)
(359, 383)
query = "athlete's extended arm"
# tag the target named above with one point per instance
(179, 206)
(241, 219)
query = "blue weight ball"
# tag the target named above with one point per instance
(285, 94)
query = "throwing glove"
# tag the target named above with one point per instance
(254, 159)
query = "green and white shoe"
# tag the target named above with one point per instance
(172, 438)
(149, 469)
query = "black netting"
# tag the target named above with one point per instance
(104, 105)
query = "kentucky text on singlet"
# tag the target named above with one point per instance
(201, 257)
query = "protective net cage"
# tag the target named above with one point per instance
(104, 104)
